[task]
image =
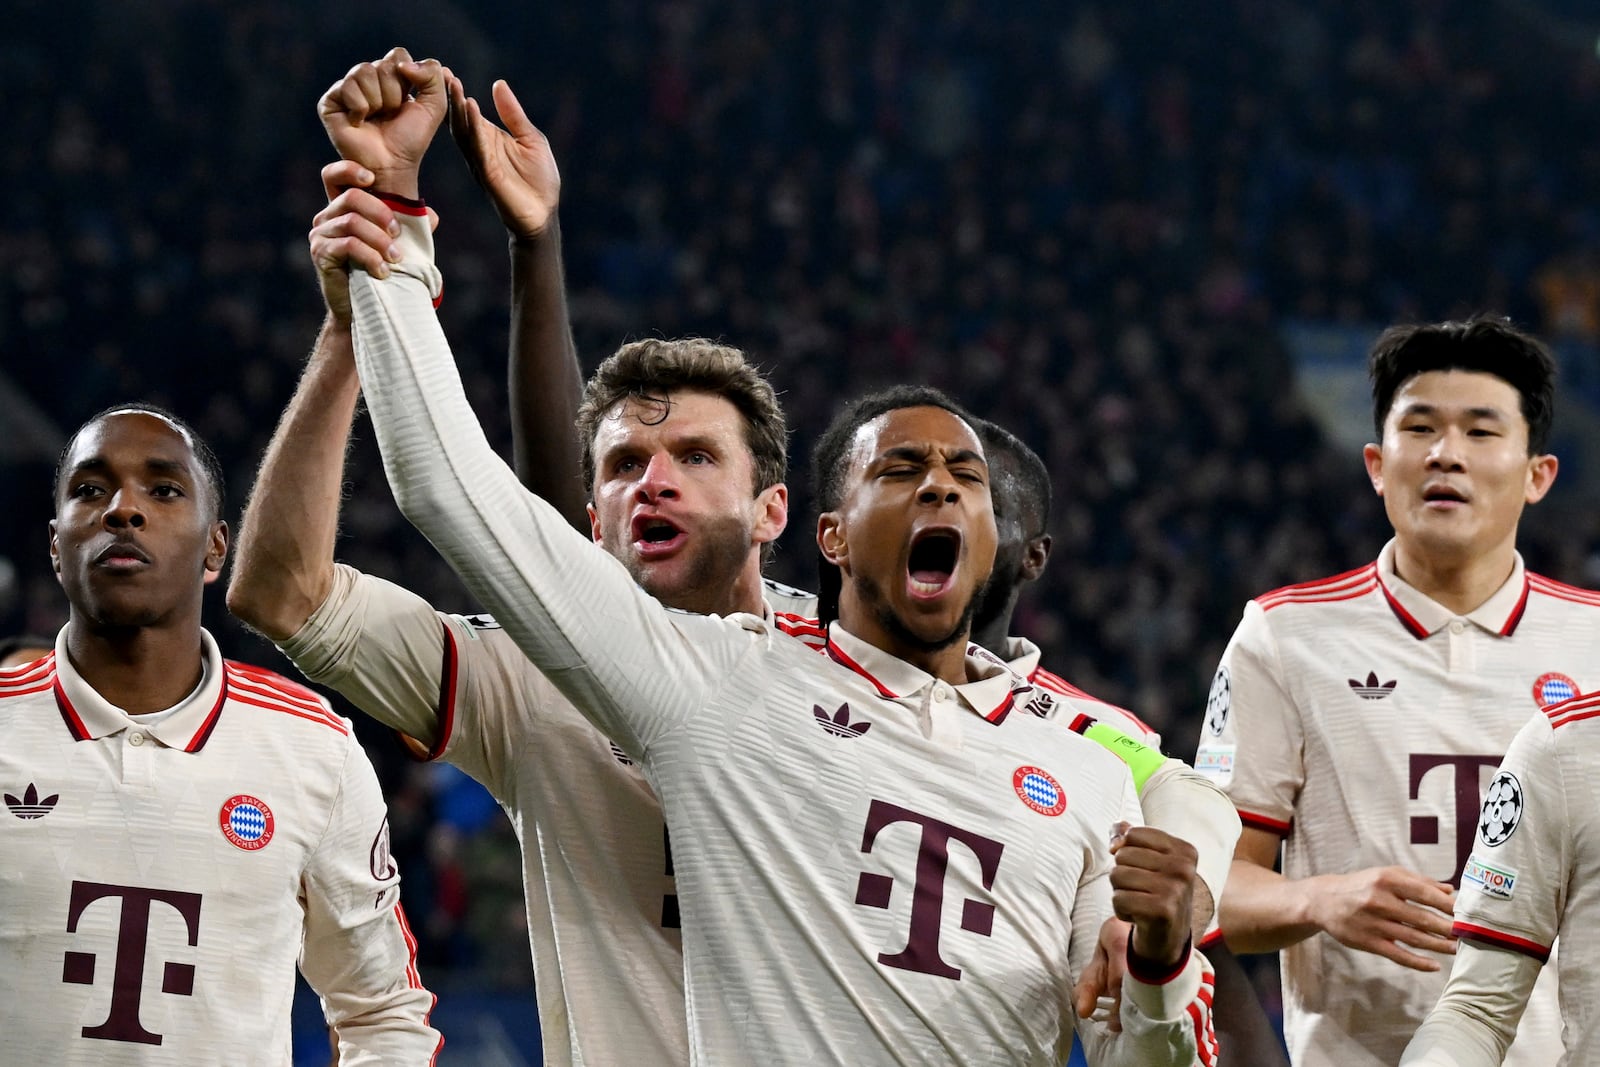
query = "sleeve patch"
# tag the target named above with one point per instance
(1216, 762)
(1500, 882)
(1502, 810)
(1219, 701)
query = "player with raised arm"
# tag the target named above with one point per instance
(186, 828)
(1356, 720)
(602, 914)
(801, 790)
(1534, 876)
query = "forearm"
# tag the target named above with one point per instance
(1184, 803)
(563, 600)
(1262, 911)
(546, 382)
(1475, 1020)
(283, 568)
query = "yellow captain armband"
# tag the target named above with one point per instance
(1142, 760)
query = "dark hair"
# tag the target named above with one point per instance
(1486, 344)
(830, 462)
(210, 467)
(1017, 478)
(652, 369)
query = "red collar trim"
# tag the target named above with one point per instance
(838, 655)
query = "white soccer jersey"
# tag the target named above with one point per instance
(1361, 720)
(160, 876)
(602, 902)
(1534, 875)
(874, 867)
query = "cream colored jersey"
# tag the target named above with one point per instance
(1362, 722)
(874, 867)
(1534, 876)
(602, 904)
(160, 875)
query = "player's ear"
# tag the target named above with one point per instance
(1372, 456)
(216, 551)
(594, 522)
(831, 540)
(772, 513)
(1541, 476)
(55, 550)
(1035, 556)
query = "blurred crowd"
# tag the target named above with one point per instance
(1088, 221)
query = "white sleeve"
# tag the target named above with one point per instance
(1186, 804)
(1475, 1021)
(634, 669)
(1165, 1023)
(359, 954)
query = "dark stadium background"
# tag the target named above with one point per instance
(1153, 240)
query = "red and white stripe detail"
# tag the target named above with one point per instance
(1496, 939)
(810, 631)
(28, 678)
(1574, 709)
(1561, 591)
(1056, 684)
(1267, 823)
(264, 689)
(838, 655)
(413, 976)
(1199, 1011)
(1346, 586)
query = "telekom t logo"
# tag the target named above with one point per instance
(1469, 799)
(927, 898)
(127, 979)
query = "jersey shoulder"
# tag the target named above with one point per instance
(270, 691)
(26, 679)
(1338, 588)
(1575, 596)
(1583, 708)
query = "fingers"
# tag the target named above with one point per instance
(427, 81)
(342, 175)
(363, 204)
(1090, 984)
(350, 240)
(515, 119)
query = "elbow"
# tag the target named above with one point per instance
(268, 608)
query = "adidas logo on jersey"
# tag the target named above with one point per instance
(30, 806)
(1372, 689)
(839, 724)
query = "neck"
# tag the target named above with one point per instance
(1461, 584)
(140, 669)
(993, 632)
(948, 662)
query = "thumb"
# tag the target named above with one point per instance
(1090, 984)
(429, 80)
(510, 111)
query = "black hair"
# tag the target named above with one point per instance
(210, 466)
(1017, 477)
(1486, 344)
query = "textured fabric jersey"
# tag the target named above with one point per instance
(602, 905)
(1534, 874)
(1362, 721)
(874, 867)
(158, 878)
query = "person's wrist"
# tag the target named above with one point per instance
(1158, 970)
(531, 237)
(403, 183)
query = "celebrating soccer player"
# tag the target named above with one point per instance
(185, 827)
(1356, 720)
(809, 795)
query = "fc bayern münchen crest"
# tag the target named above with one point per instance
(1502, 810)
(247, 822)
(1039, 790)
(1553, 688)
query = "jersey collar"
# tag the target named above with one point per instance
(1424, 617)
(90, 716)
(992, 694)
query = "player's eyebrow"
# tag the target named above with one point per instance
(916, 454)
(155, 465)
(1422, 409)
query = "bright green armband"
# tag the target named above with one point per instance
(1142, 760)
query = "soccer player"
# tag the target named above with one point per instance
(182, 828)
(602, 913)
(825, 810)
(1531, 879)
(1355, 720)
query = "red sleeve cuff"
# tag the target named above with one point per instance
(403, 204)
(1212, 940)
(1151, 973)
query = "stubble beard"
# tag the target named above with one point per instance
(871, 595)
(710, 569)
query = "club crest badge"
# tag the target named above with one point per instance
(1553, 688)
(246, 822)
(1039, 790)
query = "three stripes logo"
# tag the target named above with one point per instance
(30, 806)
(838, 724)
(1371, 689)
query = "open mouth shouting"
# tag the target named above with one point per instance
(655, 536)
(931, 564)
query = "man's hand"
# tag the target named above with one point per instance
(356, 227)
(383, 116)
(1103, 977)
(1373, 909)
(1152, 887)
(513, 165)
